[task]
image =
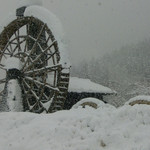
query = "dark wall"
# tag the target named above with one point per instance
(73, 98)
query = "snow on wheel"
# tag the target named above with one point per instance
(30, 54)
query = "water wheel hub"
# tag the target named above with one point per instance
(14, 74)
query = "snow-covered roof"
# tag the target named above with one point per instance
(80, 85)
(140, 97)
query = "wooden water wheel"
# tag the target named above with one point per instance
(30, 56)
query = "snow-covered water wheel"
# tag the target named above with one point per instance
(41, 78)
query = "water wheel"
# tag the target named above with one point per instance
(32, 77)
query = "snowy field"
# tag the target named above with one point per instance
(105, 128)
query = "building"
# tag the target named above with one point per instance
(82, 88)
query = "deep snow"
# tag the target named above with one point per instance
(105, 128)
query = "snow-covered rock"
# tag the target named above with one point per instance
(105, 128)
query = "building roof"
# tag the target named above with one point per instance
(80, 85)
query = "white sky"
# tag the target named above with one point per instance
(94, 27)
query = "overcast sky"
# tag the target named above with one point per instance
(94, 27)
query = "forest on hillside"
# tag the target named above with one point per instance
(126, 70)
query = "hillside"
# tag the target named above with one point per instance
(125, 70)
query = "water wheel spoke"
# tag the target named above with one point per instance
(2, 81)
(47, 97)
(14, 43)
(15, 39)
(34, 45)
(18, 39)
(37, 98)
(2, 54)
(8, 44)
(42, 92)
(30, 89)
(2, 67)
(40, 83)
(21, 53)
(1, 93)
(32, 38)
(26, 93)
(12, 50)
(44, 69)
(38, 57)
(49, 37)
(26, 45)
(18, 46)
(7, 49)
(51, 56)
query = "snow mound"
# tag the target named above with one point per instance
(139, 98)
(124, 128)
(89, 100)
(22, 3)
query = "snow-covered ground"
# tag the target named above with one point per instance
(105, 128)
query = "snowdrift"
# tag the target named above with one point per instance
(105, 128)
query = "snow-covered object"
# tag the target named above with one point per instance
(80, 85)
(22, 3)
(56, 27)
(89, 100)
(106, 128)
(52, 22)
(14, 99)
(139, 98)
(13, 62)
